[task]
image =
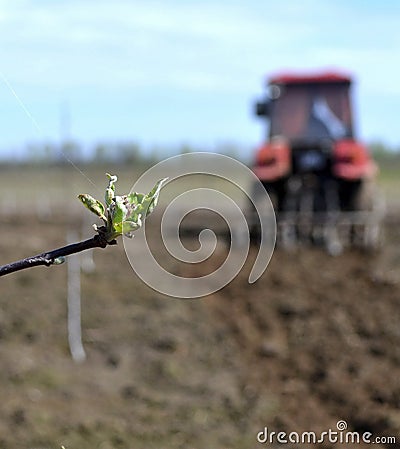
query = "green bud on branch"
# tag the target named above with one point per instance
(124, 214)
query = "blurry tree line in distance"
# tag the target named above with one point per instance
(103, 153)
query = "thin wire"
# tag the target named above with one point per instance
(38, 128)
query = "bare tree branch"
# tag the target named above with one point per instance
(50, 257)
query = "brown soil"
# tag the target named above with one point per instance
(314, 341)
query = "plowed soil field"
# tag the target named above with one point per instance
(316, 340)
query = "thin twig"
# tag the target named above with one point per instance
(48, 258)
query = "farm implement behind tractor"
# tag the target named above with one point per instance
(320, 179)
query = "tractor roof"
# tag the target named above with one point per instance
(308, 78)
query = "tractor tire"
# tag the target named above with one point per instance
(369, 200)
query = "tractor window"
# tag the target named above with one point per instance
(312, 112)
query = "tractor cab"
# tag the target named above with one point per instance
(309, 109)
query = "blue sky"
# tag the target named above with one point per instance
(171, 72)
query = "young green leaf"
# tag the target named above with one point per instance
(128, 227)
(110, 190)
(144, 204)
(118, 213)
(93, 205)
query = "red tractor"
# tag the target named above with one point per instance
(319, 177)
